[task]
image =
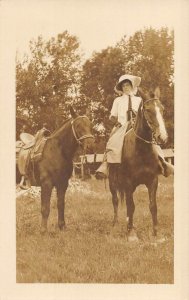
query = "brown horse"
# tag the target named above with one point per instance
(140, 161)
(55, 167)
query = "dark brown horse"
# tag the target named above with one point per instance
(140, 160)
(55, 167)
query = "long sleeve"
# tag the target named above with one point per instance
(114, 110)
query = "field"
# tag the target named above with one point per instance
(90, 250)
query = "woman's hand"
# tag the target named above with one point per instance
(118, 124)
(115, 122)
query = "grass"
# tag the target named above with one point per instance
(90, 250)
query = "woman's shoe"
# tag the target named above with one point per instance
(102, 171)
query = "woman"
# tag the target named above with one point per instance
(121, 118)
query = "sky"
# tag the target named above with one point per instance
(97, 24)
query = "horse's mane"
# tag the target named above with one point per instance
(60, 128)
(138, 113)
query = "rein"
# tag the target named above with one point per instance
(141, 138)
(146, 141)
(83, 137)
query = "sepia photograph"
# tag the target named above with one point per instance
(94, 96)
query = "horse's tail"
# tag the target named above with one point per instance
(115, 182)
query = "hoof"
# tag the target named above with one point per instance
(155, 230)
(62, 226)
(132, 239)
(155, 240)
(160, 240)
(114, 223)
(43, 230)
(24, 187)
(132, 236)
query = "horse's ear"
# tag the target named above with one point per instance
(157, 92)
(73, 113)
(142, 94)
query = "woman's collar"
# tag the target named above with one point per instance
(130, 94)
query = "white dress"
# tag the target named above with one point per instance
(120, 107)
(119, 110)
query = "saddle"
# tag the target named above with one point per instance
(29, 149)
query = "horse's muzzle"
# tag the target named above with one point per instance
(161, 139)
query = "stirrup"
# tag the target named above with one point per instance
(22, 186)
(102, 171)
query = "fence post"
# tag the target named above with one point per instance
(82, 167)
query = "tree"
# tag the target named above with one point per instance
(51, 77)
(98, 79)
(47, 81)
(149, 54)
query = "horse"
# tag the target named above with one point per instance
(56, 165)
(141, 163)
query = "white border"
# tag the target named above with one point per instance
(8, 287)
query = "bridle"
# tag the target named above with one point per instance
(153, 141)
(83, 137)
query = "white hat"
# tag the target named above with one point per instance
(135, 80)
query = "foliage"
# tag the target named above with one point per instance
(99, 76)
(53, 77)
(149, 54)
(48, 80)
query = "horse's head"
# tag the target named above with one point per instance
(153, 113)
(82, 131)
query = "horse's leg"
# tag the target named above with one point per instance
(46, 190)
(132, 236)
(113, 190)
(61, 190)
(152, 189)
(130, 209)
(115, 205)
